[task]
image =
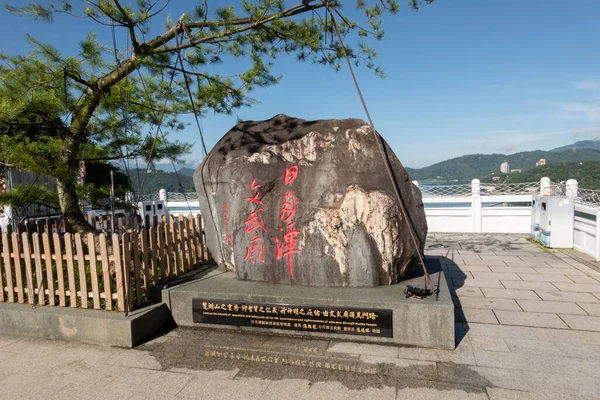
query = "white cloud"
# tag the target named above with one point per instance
(589, 111)
(498, 141)
(588, 85)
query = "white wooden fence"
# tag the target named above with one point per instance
(506, 208)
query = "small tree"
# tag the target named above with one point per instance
(96, 104)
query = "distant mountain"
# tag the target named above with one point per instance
(186, 171)
(154, 181)
(479, 165)
(582, 144)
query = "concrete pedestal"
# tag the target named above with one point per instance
(418, 322)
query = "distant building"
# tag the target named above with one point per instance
(495, 178)
(505, 167)
(512, 171)
(541, 161)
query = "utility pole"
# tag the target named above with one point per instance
(112, 201)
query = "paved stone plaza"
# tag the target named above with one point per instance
(528, 327)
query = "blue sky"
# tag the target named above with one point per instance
(468, 76)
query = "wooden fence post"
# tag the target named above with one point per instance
(194, 237)
(70, 269)
(8, 268)
(1, 280)
(136, 268)
(175, 246)
(170, 258)
(39, 274)
(93, 270)
(49, 268)
(146, 268)
(82, 272)
(60, 273)
(127, 263)
(153, 251)
(118, 272)
(161, 251)
(28, 269)
(16, 252)
(188, 239)
(105, 272)
(184, 253)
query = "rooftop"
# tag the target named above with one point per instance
(527, 320)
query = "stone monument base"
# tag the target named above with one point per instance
(382, 314)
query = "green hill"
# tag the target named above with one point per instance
(582, 144)
(587, 174)
(479, 165)
(186, 171)
(161, 180)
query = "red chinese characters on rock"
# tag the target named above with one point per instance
(228, 236)
(287, 247)
(253, 226)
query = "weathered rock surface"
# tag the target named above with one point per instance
(308, 202)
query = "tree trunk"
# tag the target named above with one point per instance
(69, 207)
(75, 135)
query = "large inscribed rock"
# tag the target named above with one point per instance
(308, 202)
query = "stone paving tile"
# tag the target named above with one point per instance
(514, 361)
(283, 389)
(503, 258)
(477, 283)
(582, 279)
(132, 358)
(532, 319)
(575, 366)
(24, 386)
(510, 276)
(89, 391)
(572, 385)
(536, 346)
(555, 307)
(524, 270)
(500, 331)
(470, 268)
(490, 303)
(510, 294)
(475, 315)
(557, 271)
(567, 336)
(545, 278)
(486, 343)
(529, 285)
(518, 253)
(363, 348)
(567, 296)
(503, 378)
(506, 394)
(462, 355)
(467, 291)
(225, 389)
(582, 323)
(458, 274)
(150, 381)
(437, 394)
(578, 287)
(490, 263)
(590, 308)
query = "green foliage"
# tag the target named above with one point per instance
(165, 180)
(22, 197)
(98, 104)
(479, 165)
(587, 174)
